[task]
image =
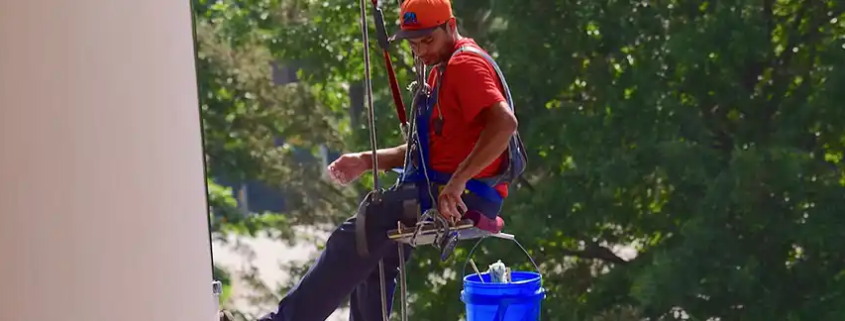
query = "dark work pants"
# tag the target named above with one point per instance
(340, 271)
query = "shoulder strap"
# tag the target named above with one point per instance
(493, 63)
(518, 157)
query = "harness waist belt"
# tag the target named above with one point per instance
(484, 188)
(477, 186)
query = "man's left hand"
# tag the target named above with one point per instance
(450, 200)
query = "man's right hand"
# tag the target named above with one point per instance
(348, 167)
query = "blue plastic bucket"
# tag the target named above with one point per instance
(518, 300)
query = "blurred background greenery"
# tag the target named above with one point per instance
(705, 137)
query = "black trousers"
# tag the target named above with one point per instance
(340, 271)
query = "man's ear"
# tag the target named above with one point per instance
(453, 24)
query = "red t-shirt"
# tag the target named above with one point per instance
(469, 85)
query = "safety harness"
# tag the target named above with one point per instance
(417, 175)
(418, 169)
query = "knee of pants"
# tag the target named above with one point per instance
(391, 257)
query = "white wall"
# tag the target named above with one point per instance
(102, 191)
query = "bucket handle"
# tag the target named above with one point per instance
(471, 251)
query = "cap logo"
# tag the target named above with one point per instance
(410, 19)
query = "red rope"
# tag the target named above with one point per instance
(394, 83)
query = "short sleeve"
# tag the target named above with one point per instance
(475, 82)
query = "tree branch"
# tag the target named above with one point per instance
(593, 251)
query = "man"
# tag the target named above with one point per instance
(472, 126)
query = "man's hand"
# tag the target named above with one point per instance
(450, 200)
(348, 168)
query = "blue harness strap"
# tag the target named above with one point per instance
(421, 172)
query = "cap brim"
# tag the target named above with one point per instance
(410, 34)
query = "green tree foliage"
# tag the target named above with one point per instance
(706, 135)
(245, 116)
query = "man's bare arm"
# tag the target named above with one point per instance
(388, 158)
(499, 124)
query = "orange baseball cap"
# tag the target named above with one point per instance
(420, 17)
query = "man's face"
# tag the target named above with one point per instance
(432, 49)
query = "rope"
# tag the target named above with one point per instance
(369, 87)
(408, 134)
(403, 294)
(373, 143)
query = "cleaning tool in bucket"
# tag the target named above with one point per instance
(499, 272)
(501, 294)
